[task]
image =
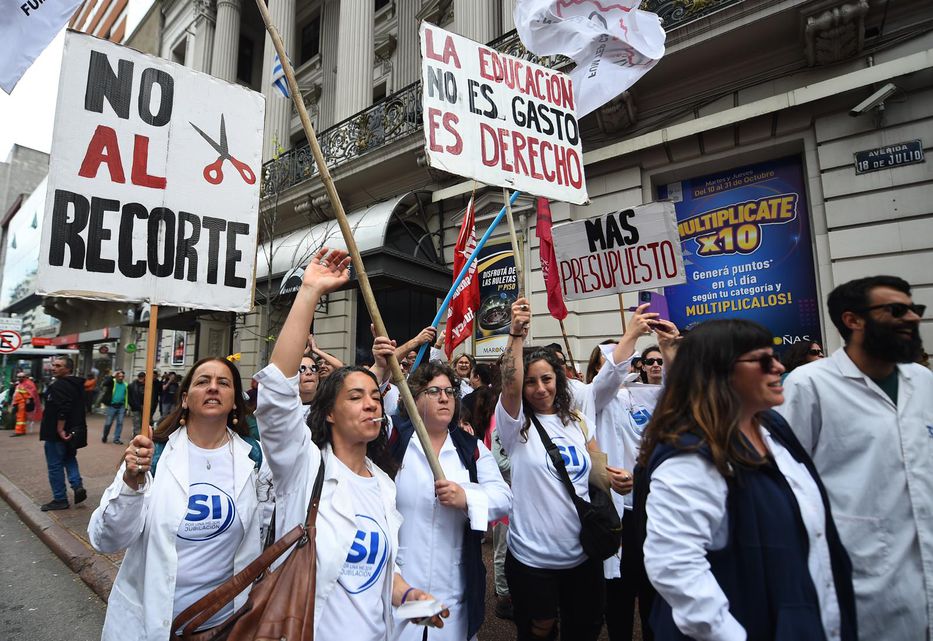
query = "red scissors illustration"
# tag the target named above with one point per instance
(213, 173)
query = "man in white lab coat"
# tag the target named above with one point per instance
(866, 417)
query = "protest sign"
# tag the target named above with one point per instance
(499, 119)
(624, 251)
(498, 289)
(153, 192)
(747, 244)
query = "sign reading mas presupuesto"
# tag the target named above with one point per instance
(153, 192)
(499, 119)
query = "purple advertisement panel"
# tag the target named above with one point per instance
(747, 250)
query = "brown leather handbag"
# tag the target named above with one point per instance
(281, 603)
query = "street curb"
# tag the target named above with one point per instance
(96, 570)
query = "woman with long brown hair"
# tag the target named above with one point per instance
(195, 523)
(740, 538)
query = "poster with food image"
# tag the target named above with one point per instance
(498, 289)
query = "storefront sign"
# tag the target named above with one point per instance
(903, 153)
(748, 251)
(624, 251)
(499, 119)
(153, 192)
(498, 289)
(41, 341)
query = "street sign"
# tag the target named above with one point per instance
(10, 341)
(41, 341)
(909, 152)
(14, 324)
(104, 349)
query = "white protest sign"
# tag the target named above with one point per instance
(624, 251)
(153, 182)
(499, 119)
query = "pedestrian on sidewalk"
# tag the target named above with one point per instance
(64, 431)
(26, 404)
(135, 397)
(116, 399)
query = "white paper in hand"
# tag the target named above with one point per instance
(415, 610)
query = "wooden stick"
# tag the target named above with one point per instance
(514, 238)
(563, 333)
(398, 377)
(151, 339)
(622, 310)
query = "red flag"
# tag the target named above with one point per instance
(465, 301)
(555, 300)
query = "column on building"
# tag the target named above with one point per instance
(204, 17)
(475, 19)
(226, 40)
(330, 23)
(354, 58)
(407, 67)
(278, 110)
(508, 15)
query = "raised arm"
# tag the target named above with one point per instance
(326, 272)
(332, 360)
(427, 335)
(513, 369)
(668, 335)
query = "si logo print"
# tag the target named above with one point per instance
(575, 461)
(367, 558)
(640, 418)
(210, 513)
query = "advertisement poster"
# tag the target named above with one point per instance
(152, 190)
(178, 348)
(498, 289)
(499, 119)
(747, 250)
(622, 251)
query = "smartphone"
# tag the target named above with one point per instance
(657, 304)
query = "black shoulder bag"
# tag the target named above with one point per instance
(601, 529)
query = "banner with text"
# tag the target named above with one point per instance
(499, 119)
(748, 249)
(153, 182)
(498, 289)
(624, 251)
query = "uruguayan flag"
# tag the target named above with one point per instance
(278, 77)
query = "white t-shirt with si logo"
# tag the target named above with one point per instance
(210, 532)
(544, 528)
(355, 607)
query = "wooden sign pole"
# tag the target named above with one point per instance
(398, 377)
(151, 340)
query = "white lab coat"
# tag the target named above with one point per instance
(876, 461)
(294, 460)
(145, 522)
(431, 537)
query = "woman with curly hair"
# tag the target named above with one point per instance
(358, 582)
(740, 543)
(546, 568)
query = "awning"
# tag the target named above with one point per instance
(396, 248)
(39, 352)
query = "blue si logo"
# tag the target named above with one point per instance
(576, 462)
(640, 418)
(210, 513)
(367, 557)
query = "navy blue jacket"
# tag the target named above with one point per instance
(763, 568)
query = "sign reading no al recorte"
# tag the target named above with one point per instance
(624, 251)
(499, 119)
(153, 192)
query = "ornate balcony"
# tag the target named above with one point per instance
(399, 115)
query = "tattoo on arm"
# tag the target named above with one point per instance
(508, 366)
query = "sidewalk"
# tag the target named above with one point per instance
(24, 485)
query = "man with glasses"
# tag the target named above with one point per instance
(865, 415)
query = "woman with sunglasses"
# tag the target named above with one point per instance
(440, 542)
(740, 540)
(800, 354)
(652, 360)
(547, 571)
(357, 524)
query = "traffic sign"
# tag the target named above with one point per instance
(15, 324)
(10, 341)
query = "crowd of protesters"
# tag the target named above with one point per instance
(759, 498)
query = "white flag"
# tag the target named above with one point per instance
(613, 43)
(26, 29)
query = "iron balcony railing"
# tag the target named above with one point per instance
(399, 115)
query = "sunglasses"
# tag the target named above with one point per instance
(653, 361)
(765, 362)
(435, 391)
(898, 310)
(815, 352)
(307, 368)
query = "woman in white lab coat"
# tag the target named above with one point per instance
(357, 524)
(440, 537)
